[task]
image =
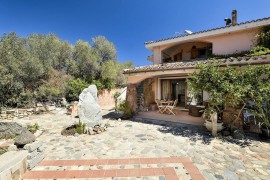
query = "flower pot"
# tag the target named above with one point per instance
(208, 125)
(265, 132)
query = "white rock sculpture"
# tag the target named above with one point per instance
(89, 110)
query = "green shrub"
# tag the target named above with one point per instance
(54, 87)
(222, 56)
(125, 108)
(80, 127)
(33, 128)
(99, 85)
(74, 88)
(103, 84)
(116, 95)
(259, 50)
(109, 84)
(264, 37)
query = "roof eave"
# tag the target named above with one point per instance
(214, 32)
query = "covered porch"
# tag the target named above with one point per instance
(145, 88)
(181, 116)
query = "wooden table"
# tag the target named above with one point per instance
(167, 103)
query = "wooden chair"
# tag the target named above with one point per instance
(170, 108)
(161, 108)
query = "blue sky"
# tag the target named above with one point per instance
(127, 23)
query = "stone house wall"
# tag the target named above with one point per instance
(149, 96)
(132, 96)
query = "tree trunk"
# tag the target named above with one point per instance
(240, 112)
(214, 123)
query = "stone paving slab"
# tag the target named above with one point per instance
(216, 158)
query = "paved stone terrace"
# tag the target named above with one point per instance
(215, 158)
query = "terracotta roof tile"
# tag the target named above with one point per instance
(263, 59)
(223, 27)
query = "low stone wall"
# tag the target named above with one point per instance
(13, 165)
(14, 113)
(106, 100)
(35, 153)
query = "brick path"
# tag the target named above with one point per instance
(144, 168)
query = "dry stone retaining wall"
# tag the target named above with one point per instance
(35, 153)
(13, 165)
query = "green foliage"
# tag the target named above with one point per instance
(80, 127)
(109, 70)
(112, 73)
(38, 67)
(74, 88)
(104, 49)
(33, 128)
(259, 50)
(264, 37)
(116, 95)
(99, 84)
(55, 86)
(125, 108)
(109, 84)
(228, 86)
(262, 112)
(222, 56)
(87, 64)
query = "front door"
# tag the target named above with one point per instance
(174, 89)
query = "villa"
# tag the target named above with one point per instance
(175, 58)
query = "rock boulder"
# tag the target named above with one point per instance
(10, 130)
(25, 137)
(89, 110)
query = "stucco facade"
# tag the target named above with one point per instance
(222, 44)
(174, 58)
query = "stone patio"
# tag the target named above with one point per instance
(215, 158)
(181, 116)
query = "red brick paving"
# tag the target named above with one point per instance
(169, 172)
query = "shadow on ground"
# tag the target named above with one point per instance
(193, 132)
(111, 115)
(198, 133)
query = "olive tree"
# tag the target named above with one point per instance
(228, 86)
(104, 49)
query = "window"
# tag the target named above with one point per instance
(202, 53)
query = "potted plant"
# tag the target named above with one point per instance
(209, 114)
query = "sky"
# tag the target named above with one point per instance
(126, 23)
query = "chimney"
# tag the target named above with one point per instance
(234, 17)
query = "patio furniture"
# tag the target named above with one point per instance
(170, 108)
(166, 103)
(161, 107)
(195, 111)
